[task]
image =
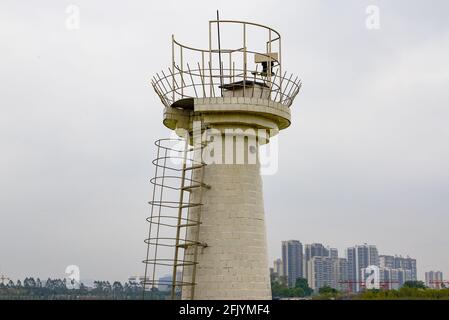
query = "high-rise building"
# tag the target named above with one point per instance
(390, 278)
(404, 276)
(277, 267)
(394, 278)
(292, 258)
(333, 253)
(319, 272)
(340, 273)
(406, 264)
(276, 272)
(386, 262)
(313, 250)
(359, 258)
(434, 279)
(326, 271)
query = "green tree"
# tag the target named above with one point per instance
(303, 284)
(29, 283)
(98, 288)
(298, 292)
(117, 289)
(83, 289)
(415, 284)
(275, 289)
(327, 290)
(280, 290)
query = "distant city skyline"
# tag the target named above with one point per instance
(342, 253)
(323, 265)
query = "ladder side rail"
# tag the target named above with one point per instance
(178, 229)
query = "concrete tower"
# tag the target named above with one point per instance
(226, 101)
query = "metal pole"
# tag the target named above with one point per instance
(219, 53)
(230, 68)
(203, 72)
(270, 62)
(173, 63)
(182, 73)
(244, 58)
(210, 58)
(280, 63)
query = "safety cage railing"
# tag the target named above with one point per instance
(170, 218)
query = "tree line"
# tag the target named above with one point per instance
(410, 290)
(57, 289)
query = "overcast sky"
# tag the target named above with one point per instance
(365, 160)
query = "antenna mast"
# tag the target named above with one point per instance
(219, 53)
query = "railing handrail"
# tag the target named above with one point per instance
(283, 88)
(248, 23)
(225, 51)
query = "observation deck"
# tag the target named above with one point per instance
(248, 66)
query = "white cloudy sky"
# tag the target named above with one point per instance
(365, 160)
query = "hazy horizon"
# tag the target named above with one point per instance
(366, 159)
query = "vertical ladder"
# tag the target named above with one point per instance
(189, 185)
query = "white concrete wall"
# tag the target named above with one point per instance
(234, 265)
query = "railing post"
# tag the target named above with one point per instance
(182, 74)
(280, 63)
(210, 57)
(173, 64)
(269, 63)
(244, 59)
(203, 74)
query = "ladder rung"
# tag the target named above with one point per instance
(188, 188)
(196, 186)
(190, 206)
(194, 167)
(189, 225)
(186, 245)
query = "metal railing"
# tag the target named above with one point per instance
(202, 73)
(205, 83)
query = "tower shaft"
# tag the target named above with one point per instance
(234, 263)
